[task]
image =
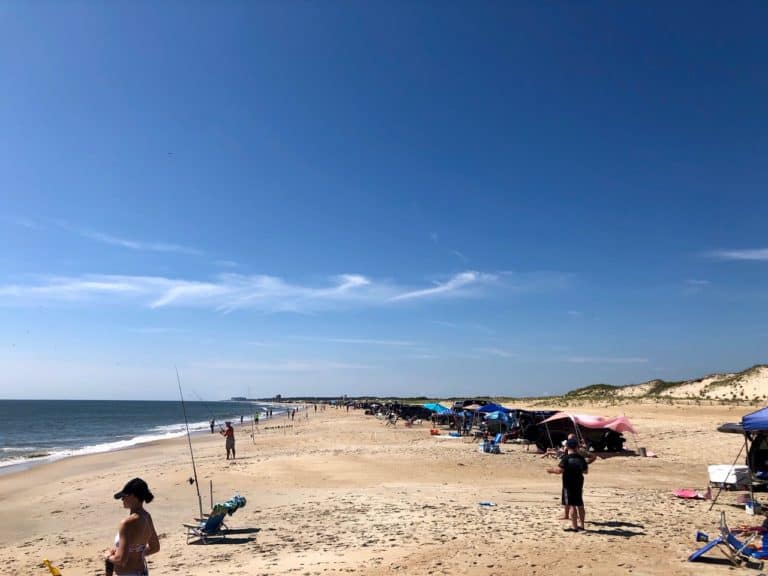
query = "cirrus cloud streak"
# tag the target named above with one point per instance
(230, 292)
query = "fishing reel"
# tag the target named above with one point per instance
(191, 480)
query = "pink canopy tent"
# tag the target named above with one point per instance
(618, 424)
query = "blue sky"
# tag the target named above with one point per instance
(396, 198)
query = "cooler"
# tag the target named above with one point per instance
(726, 474)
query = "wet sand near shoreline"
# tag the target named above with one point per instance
(341, 493)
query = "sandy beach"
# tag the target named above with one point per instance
(341, 493)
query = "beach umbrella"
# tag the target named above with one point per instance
(491, 407)
(473, 407)
(435, 407)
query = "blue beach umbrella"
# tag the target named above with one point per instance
(498, 415)
(492, 408)
(435, 407)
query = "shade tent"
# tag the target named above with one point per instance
(754, 426)
(618, 424)
(435, 407)
(488, 408)
(755, 421)
(498, 415)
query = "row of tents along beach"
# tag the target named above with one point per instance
(545, 428)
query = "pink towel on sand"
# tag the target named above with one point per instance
(691, 494)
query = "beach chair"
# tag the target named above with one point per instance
(212, 528)
(492, 446)
(739, 552)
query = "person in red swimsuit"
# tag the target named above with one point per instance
(229, 436)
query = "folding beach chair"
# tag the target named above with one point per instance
(492, 446)
(212, 528)
(737, 551)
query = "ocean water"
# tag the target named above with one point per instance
(37, 431)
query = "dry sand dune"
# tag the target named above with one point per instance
(341, 493)
(750, 385)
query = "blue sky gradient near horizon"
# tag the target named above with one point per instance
(433, 199)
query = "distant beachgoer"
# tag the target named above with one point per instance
(256, 418)
(213, 423)
(136, 537)
(573, 467)
(241, 418)
(293, 415)
(459, 422)
(588, 456)
(229, 436)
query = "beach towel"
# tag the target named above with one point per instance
(691, 494)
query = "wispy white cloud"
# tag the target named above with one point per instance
(458, 284)
(286, 366)
(758, 254)
(156, 330)
(226, 263)
(30, 224)
(465, 326)
(459, 255)
(500, 352)
(229, 292)
(363, 341)
(575, 314)
(137, 245)
(606, 360)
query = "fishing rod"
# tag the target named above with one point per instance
(189, 439)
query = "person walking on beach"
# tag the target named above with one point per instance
(229, 439)
(573, 467)
(213, 423)
(136, 536)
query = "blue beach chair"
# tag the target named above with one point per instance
(211, 528)
(492, 446)
(737, 551)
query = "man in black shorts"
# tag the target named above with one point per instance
(573, 466)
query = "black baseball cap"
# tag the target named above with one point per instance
(136, 487)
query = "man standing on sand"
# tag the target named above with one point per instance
(573, 466)
(589, 457)
(229, 439)
(213, 423)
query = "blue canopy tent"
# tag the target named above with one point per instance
(498, 415)
(755, 421)
(754, 426)
(488, 408)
